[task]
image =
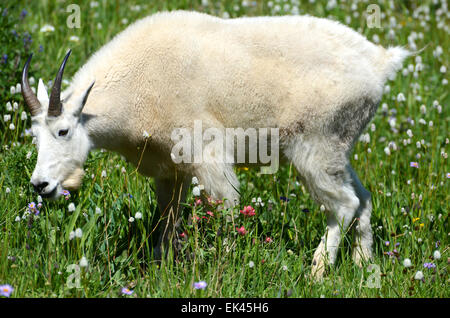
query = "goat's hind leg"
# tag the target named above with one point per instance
(328, 180)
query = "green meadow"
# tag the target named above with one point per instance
(99, 240)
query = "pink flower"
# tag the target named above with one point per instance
(198, 202)
(248, 211)
(414, 164)
(241, 230)
(183, 235)
(127, 291)
(268, 240)
(210, 213)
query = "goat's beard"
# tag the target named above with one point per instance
(73, 181)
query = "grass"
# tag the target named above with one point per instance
(410, 204)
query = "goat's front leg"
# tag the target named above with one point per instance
(170, 193)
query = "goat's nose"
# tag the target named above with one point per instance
(40, 186)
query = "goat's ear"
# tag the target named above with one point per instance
(83, 100)
(42, 94)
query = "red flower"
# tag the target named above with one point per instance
(241, 230)
(268, 240)
(183, 235)
(248, 211)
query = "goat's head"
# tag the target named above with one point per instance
(61, 139)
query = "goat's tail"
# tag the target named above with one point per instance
(393, 60)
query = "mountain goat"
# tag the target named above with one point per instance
(315, 80)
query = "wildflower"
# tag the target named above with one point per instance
(138, 216)
(66, 194)
(437, 254)
(47, 28)
(401, 97)
(210, 213)
(251, 264)
(103, 175)
(248, 211)
(268, 240)
(429, 265)
(418, 276)
(387, 151)
(414, 164)
(71, 235)
(74, 38)
(71, 207)
(6, 290)
(17, 219)
(83, 262)
(258, 201)
(6, 118)
(183, 235)
(131, 219)
(284, 199)
(127, 291)
(285, 268)
(241, 230)
(78, 233)
(9, 106)
(196, 191)
(387, 243)
(443, 69)
(194, 180)
(11, 126)
(407, 262)
(200, 285)
(98, 210)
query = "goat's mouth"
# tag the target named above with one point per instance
(52, 194)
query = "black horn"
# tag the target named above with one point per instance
(55, 105)
(30, 98)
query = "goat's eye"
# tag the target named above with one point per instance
(63, 132)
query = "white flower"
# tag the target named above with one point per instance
(7, 190)
(103, 174)
(47, 28)
(196, 191)
(83, 262)
(123, 170)
(138, 215)
(71, 235)
(401, 97)
(437, 254)
(74, 38)
(15, 106)
(407, 262)
(18, 88)
(11, 126)
(12, 90)
(285, 268)
(145, 134)
(387, 151)
(418, 276)
(78, 233)
(131, 219)
(97, 210)
(23, 116)
(94, 4)
(6, 118)
(8, 106)
(17, 219)
(71, 207)
(251, 264)
(39, 199)
(194, 180)
(443, 69)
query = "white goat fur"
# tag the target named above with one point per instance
(316, 80)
